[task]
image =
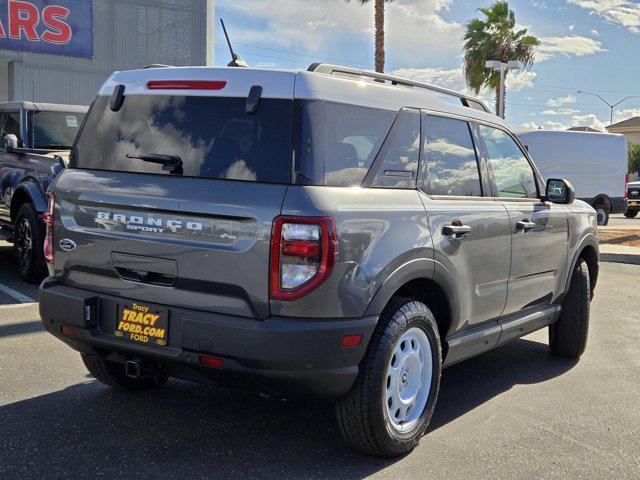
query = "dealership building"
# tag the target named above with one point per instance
(60, 51)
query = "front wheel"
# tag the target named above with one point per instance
(389, 407)
(568, 336)
(28, 245)
(631, 213)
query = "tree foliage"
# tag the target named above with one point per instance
(634, 158)
(495, 38)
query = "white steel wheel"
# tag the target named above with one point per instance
(408, 379)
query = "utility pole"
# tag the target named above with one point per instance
(503, 68)
(610, 105)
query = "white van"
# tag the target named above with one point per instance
(596, 164)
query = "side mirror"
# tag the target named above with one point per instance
(10, 143)
(560, 191)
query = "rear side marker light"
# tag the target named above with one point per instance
(68, 331)
(186, 84)
(303, 252)
(351, 340)
(211, 361)
(48, 219)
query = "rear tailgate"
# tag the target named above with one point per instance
(184, 242)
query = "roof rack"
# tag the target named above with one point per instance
(466, 100)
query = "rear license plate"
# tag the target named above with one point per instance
(633, 204)
(142, 324)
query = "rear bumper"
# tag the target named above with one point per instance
(285, 356)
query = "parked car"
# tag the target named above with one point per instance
(594, 163)
(35, 142)
(633, 197)
(331, 233)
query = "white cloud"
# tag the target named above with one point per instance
(625, 113)
(621, 12)
(569, 46)
(520, 81)
(590, 120)
(560, 111)
(595, 33)
(572, 28)
(562, 101)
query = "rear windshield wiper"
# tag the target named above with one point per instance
(56, 147)
(170, 163)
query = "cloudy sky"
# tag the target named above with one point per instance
(586, 45)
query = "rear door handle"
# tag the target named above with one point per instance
(456, 230)
(525, 225)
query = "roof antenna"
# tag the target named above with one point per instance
(236, 60)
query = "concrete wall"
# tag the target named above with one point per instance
(128, 34)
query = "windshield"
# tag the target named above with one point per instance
(55, 130)
(211, 137)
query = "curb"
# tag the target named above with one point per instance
(628, 258)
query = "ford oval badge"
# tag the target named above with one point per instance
(67, 245)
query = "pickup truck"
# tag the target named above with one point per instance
(35, 141)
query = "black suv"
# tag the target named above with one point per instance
(35, 140)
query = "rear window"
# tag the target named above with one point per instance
(53, 130)
(213, 136)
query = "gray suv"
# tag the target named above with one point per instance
(330, 233)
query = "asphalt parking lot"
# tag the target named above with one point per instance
(515, 412)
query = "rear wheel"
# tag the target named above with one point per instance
(113, 374)
(28, 245)
(568, 336)
(390, 405)
(603, 212)
(631, 213)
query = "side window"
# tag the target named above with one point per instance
(451, 158)
(352, 139)
(511, 169)
(10, 123)
(400, 153)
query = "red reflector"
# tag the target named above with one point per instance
(211, 361)
(351, 340)
(69, 331)
(300, 249)
(186, 84)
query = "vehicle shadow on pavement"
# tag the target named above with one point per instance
(186, 430)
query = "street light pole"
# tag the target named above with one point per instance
(610, 105)
(503, 68)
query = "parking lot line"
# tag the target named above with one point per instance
(21, 297)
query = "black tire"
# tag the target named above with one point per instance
(568, 336)
(631, 213)
(603, 213)
(28, 245)
(113, 375)
(361, 413)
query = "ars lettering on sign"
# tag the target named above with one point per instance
(24, 18)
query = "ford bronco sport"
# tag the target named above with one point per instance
(331, 233)
(35, 140)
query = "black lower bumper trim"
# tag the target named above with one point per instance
(288, 356)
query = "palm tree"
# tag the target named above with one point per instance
(495, 39)
(379, 21)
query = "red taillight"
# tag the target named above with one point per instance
(303, 251)
(68, 331)
(351, 340)
(626, 182)
(186, 84)
(48, 219)
(211, 361)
